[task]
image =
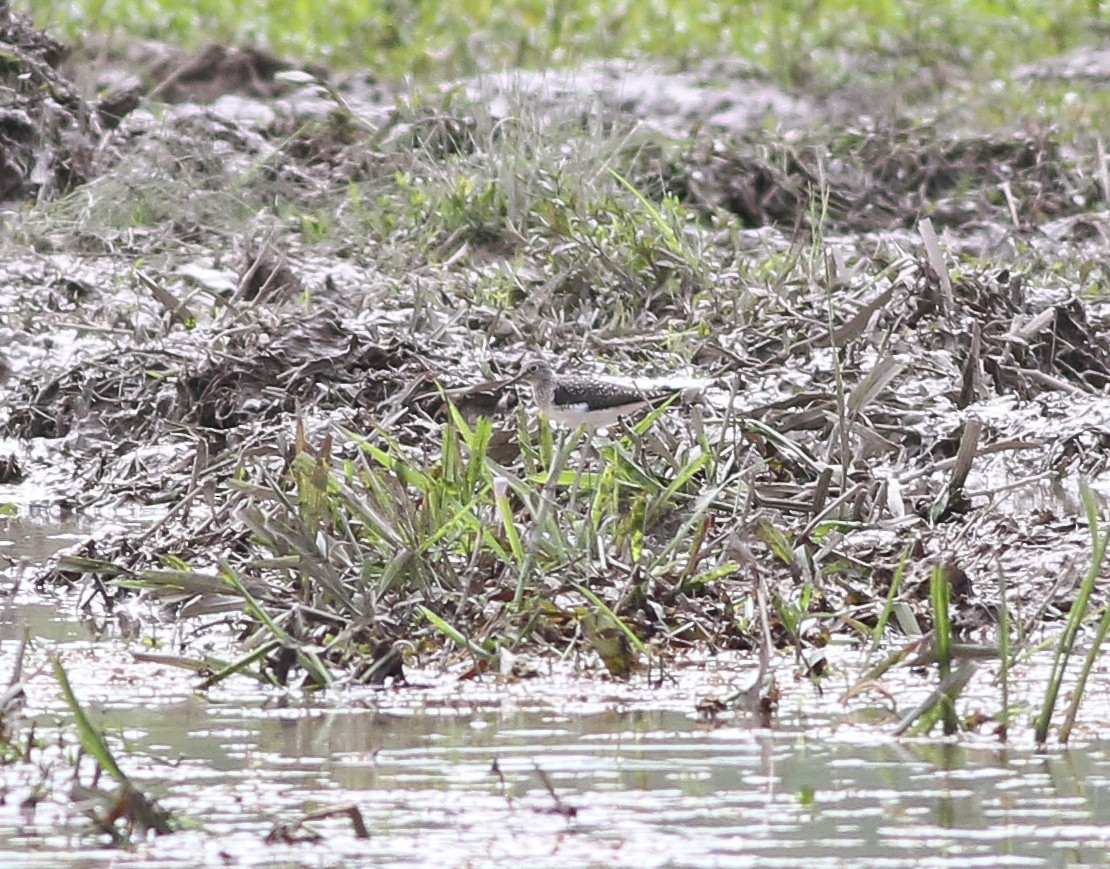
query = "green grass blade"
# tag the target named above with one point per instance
(508, 520)
(891, 595)
(92, 740)
(457, 637)
(636, 642)
(310, 662)
(1075, 617)
(939, 593)
(239, 666)
(657, 219)
(1004, 652)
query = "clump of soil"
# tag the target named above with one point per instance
(214, 379)
(49, 134)
(884, 178)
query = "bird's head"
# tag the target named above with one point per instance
(535, 371)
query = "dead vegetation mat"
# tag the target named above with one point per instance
(51, 138)
(347, 549)
(217, 380)
(324, 499)
(881, 178)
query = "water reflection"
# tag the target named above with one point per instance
(451, 776)
(651, 788)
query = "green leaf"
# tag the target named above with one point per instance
(603, 607)
(92, 740)
(457, 637)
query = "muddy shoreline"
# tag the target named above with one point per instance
(240, 291)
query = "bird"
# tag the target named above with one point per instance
(585, 401)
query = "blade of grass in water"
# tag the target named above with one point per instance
(942, 628)
(308, 660)
(239, 666)
(1084, 674)
(888, 607)
(1075, 618)
(142, 811)
(636, 642)
(925, 715)
(92, 740)
(1004, 654)
(457, 637)
(1078, 612)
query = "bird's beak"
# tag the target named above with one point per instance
(498, 384)
(516, 378)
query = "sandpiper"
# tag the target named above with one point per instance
(586, 401)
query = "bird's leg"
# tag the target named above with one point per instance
(577, 434)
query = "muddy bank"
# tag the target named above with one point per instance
(254, 305)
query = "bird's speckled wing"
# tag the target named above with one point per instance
(598, 395)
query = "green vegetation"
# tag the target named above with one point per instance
(129, 802)
(367, 517)
(438, 537)
(1081, 614)
(799, 40)
(499, 558)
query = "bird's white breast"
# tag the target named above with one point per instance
(575, 415)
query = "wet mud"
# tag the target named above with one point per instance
(247, 292)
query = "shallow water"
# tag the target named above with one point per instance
(633, 786)
(645, 789)
(457, 774)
